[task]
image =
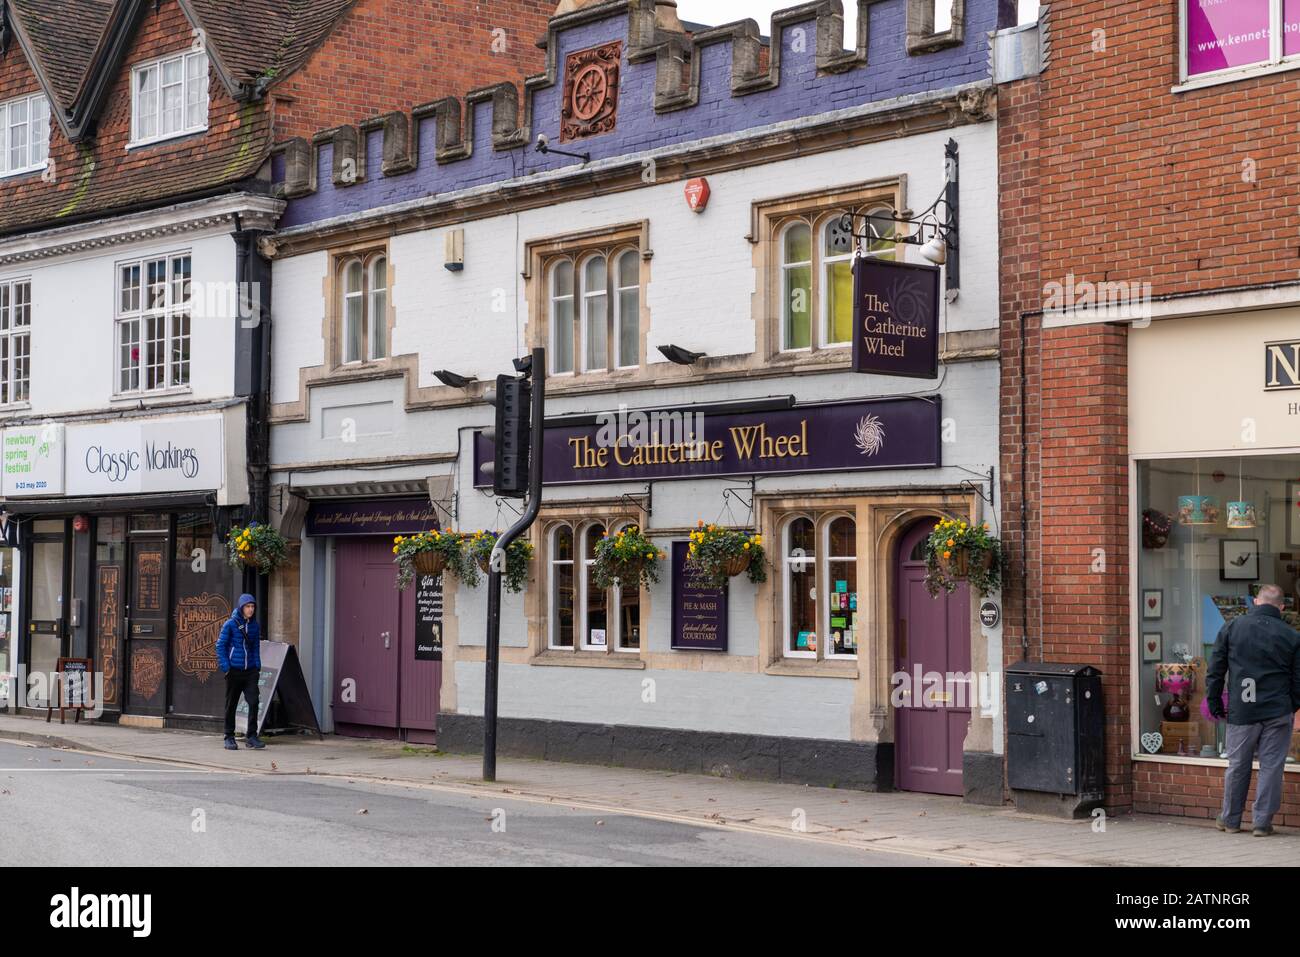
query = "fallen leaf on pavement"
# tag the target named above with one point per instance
(363, 811)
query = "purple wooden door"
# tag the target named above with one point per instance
(367, 633)
(933, 636)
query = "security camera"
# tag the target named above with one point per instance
(543, 142)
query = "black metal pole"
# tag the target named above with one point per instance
(498, 563)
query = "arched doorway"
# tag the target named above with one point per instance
(932, 638)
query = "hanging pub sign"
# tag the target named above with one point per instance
(870, 435)
(699, 609)
(895, 318)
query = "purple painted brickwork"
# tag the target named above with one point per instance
(890, 72)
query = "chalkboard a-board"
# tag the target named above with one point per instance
(281, 674)
(73, 689)
(428, 618)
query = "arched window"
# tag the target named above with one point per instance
(837, 283)
(800, 571)
(563, 604)
(562, 317)
(628, 303)
(363, 292)
(595, 313)
(842, 587)
(796, 287)
(377, 314)
(595, 601)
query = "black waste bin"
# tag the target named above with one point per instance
(1055, 729)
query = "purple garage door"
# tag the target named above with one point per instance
(380, 689)
(934, 635)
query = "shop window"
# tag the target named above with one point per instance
(15, 341)
(1210, 533)
(815, 279)
(363, 297)
(1229, 39)
(583, 616)
(820, 586)
(594, 311)
(154, 308)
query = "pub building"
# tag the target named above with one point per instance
(696, 302)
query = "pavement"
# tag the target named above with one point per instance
(925, 828)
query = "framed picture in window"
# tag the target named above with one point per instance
(1152, 643)
(1239, 559)
(1292, 515)
(1153, 603)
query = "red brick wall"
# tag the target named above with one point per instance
(394, 54)
(1194, 790)
(1108, 175)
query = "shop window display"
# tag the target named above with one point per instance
(1212, 531)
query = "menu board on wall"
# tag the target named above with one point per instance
(699, 609)
(428, 618)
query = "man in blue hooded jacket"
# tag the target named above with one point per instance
(239, 656)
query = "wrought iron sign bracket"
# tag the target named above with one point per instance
(648, 507)
(732, 493)
(978, 489)
(452, 514)
(938, 221)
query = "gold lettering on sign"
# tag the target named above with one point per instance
(110, 621)
(148, 570)
(146, 671)
(198, 624)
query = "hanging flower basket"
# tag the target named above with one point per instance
(627, 558)
(256, 546)
(957, 551)
(717, 554)
(428, 553)
(478, 549)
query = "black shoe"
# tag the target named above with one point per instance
(254, 742)
(230, 745)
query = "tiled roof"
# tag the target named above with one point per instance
(267, 38)
(63, 35)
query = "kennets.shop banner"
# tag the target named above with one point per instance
(683, 444)
(895, 318)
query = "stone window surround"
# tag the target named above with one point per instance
(540, 255)
(537, 600)
(821, 517)
(333, 330)
(768, 221)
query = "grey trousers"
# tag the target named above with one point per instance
(1271, 739)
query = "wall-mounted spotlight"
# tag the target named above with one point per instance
(454, 380)
(523, 365)
(683, 357)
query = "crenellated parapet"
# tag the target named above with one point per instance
(624, 80)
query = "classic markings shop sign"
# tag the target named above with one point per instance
(895, 318)
(168, 455)
(681, 444)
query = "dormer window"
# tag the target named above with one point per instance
(24, 135)
(169, 97)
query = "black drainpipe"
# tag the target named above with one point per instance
(253, 379)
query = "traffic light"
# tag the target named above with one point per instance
(513, 398)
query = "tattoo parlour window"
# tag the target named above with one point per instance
(820, 586)
(15, 341)
(153, 323)
(1210, 532)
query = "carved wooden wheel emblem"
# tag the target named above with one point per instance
(590, 104)
(590, 90)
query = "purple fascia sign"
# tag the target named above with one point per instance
(1229, 34)
(864, 435)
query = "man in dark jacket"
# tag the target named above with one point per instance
(239, 656)
(1260, 654)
